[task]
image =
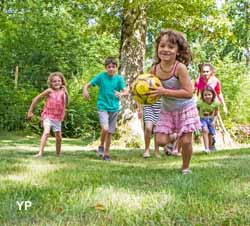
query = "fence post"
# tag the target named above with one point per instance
(16, 77)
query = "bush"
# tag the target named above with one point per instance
(14, 104)
(81, 119)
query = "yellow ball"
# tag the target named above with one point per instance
(142, 86)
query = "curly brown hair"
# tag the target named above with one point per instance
(53, 74)
(176, 38)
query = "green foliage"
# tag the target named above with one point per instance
(235, 87)
(81, 118)
(45, 36)
(76, 36)
(14, 104)
(41, 37)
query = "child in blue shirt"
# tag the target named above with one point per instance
(111, 88)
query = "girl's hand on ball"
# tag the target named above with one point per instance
(159, 91)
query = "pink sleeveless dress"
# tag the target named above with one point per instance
(54, 107)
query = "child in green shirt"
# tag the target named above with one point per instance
(208, 111)
(111, 89)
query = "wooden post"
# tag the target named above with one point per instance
(16, 77)
(225, 135)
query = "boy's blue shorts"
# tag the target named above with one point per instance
(207, 123)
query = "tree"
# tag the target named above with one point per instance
(239, 13)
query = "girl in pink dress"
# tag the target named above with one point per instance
(178, 110)
(53, 111)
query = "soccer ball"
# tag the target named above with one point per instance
(142, 86)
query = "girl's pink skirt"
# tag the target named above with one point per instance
(185, 121)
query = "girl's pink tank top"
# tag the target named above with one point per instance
(54, 107)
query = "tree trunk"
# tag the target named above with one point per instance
(132, 52)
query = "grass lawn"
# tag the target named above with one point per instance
(80, 189)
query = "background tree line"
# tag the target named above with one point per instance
(75, 36)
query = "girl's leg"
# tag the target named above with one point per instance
(58, 142)
(147, 137)
(45, 135)
(205, 139)
(161, 140)
(187, 149)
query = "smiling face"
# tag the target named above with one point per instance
(111, 69)
(167, 51)
(208, 96)
(56, 82)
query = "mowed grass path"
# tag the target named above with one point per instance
(80, 189)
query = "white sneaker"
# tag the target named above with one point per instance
(207, 150)
(186, 171)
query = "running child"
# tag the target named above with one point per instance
(179, 113)
(150, 114)
(111, 89)
(54, 109)
(208, 110)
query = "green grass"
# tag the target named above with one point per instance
(80, 189)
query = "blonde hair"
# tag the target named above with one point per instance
(53, 74)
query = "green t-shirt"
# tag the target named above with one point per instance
(205, 109)
(107, 101)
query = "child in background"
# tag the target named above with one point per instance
(53, 111)
(208, 110)
(208, 78)
(150, 115)
(174, 147)
(178, 110)
(111, 88)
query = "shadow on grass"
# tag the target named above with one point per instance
(216, 182)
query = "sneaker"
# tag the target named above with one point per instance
(213, 141)
(100, 151)
(168, 149)
(106, 158)
(38, 155)
(186, 171)
(146, 155)
(212, 148)
(175, 153)
(206, 150)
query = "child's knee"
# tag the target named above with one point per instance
(58, 136)
(161, 140)
(105, 129)
(46, 134)
(186, 139)
(205, 130)
(148, 129)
